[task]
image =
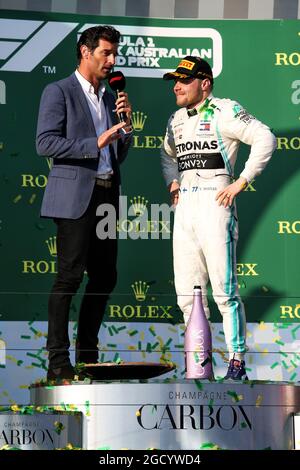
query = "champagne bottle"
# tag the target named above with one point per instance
(197, 342)
(2, 352)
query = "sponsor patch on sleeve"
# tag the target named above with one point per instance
(244, 116)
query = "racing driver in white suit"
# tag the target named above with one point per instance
(198, 157)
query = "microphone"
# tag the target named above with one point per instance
(117, 82)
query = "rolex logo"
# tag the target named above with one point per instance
(140, 289)
(139, 205)
(51, 244)
(138, 120)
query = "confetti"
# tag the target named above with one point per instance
(132, 332)
(152, 330)
(258, 401)
(292, 377)
(58, 427)
(274, 365)
(294, 331)
(233, 395)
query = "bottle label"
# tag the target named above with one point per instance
(198, 337)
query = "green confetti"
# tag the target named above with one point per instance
(132, 332)
(110, 331)
(152, 330)
(293, 331)
(293, 376)
(206, 361)
(121, 328)
(234, 395)
(87, 408)
(25, 337)
(17, 199)
(207, 445)
(110, 345)
(285, 365)
(283, 354)
(102, 357)
(58, 427)
(179, 346)
(32, 355)
(34, 330)
(199, 385)
(279, 342)
(117, 358)
(274, 365)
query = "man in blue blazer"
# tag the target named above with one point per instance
(77, 128)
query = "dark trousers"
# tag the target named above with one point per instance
(78, 250)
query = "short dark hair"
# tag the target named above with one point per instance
(90, 37)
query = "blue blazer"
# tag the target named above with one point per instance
(66, 133)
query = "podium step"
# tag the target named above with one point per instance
(179, 415)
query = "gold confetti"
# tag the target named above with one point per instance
(259, 400)
(262, 326)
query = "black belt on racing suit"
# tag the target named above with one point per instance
(200, 161)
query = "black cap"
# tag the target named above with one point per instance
(191, 66)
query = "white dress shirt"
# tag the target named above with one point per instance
(98, 112)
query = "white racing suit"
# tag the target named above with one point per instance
(200, 151)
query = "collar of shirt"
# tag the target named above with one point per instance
(88, 87)
(200, 107)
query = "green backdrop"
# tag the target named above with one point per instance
(256, 63)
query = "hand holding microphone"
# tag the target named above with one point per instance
(117, 82)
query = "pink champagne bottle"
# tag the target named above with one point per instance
(197, 342)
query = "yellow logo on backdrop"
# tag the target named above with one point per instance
(42, 266)
(139, 205)
(138, 120)
(289, 227)
(289, 311)
(140, 289)
(186, 64)
(52, 247)
(140, 311)
(247, 269)
(144, 141)
(287, 143)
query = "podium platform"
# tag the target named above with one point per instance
(185, 414)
